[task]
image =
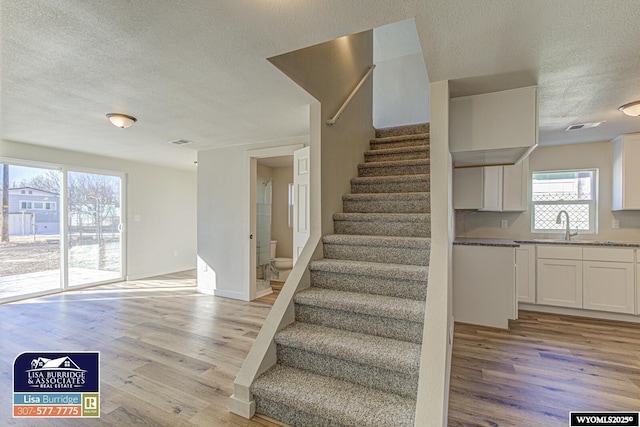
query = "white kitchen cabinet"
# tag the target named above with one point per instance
(526, 273)
(493, 128)
(626, 173)
(492, 188)
(559, 282)
(484, 288)
(609, 286)
(468, 190)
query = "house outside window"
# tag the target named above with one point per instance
(574, 191)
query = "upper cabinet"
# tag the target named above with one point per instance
(494, 128)
(492, 188)
(626, 172)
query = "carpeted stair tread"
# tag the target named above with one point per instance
(390, 184)
(411, 137)
(423, 148)
(385, 196)
(417, 202)
(397, 153)
(336, 401)
(381, 217)
(355, 302)
(394, 167)
(382, 249)
(397, 163)
(403, 130)
(387, 353)
(363, 268)
(386, 241)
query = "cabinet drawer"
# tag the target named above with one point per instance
(607, 254)
(560, 252)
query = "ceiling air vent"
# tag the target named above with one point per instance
(181, 142)
(579, 126)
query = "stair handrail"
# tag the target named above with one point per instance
(332, 121)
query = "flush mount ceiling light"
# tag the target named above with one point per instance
(121, 120)
(631, 109)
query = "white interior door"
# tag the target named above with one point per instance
(301, 200)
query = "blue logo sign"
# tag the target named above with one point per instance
(57, 372)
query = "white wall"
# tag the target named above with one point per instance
(574, 156)
(164, 198)
(224, 218)
(400, 82)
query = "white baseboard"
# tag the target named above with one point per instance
(264, 292)
(228, 294)
(580, 312)
(141, 276)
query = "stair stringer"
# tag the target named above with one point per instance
(262, 355)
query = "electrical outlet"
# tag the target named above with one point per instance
(175, 253)
(615, 223)
(504, 223)
(137, 218)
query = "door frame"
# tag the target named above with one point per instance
(251, 161)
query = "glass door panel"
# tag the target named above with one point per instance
(30, 230)
(94, 228)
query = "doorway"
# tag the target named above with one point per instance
(271, 247)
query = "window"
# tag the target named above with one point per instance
(571, 191)
(38, 205)
(50, 206)
(25, 205)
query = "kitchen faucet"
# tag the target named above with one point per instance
(567, 231)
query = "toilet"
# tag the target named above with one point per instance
(280, 267)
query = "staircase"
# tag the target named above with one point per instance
(352, 356)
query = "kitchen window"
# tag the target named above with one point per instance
(574, 191)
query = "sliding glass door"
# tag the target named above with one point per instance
(58, 228)
(30, 223)
(94, 228)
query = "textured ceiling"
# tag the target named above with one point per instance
(197, 69)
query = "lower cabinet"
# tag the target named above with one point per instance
(526, 273)
(559, 282)
(608, 286)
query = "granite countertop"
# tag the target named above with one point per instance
(517, 242)
(486, 242)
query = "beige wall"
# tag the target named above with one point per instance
(164, 198)
(574, 156)
(329, 72)
(280, 229)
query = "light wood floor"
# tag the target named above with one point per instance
(169, 355)
(546, 366)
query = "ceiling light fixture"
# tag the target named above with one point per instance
(121, 120)
(631, 109)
